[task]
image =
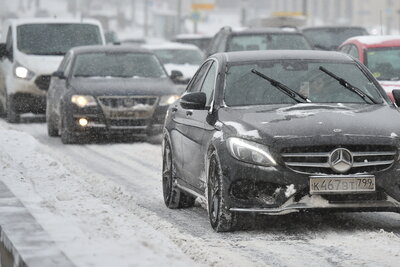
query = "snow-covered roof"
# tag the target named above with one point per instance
(51, 20)
(373, 39)
(170, 45)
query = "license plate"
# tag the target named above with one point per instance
(341, 184)
(129, 113)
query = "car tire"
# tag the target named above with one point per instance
(52, 129)
(67, 136)
(174, 198)
(12, 115)
(3, 112)
(221, 219)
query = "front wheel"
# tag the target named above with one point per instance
(221, 219)
(67, 136)
(174, 198)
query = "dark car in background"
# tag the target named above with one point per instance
(331, 37)
(275, 132)
(248, 39)
(108, 90)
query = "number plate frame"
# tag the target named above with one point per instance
(336, 184)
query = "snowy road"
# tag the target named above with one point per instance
(108, 199)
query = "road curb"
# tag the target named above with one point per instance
(23, 241)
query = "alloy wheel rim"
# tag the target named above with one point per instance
(167, 174)
(214, 191)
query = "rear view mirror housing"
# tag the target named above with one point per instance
(194, 100)
(59, 75)
(176, 75)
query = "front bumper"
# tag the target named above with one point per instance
(99, 123)
(279, 190)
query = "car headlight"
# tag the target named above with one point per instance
(168, 99)
(22, 72)
(250, 152)
(83, 100)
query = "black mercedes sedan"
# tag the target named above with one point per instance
(277, 132)
(108, 90)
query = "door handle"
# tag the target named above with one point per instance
(189, 113)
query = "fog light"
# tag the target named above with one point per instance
(83, 122)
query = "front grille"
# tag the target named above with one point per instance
(128, 107)
(314, 159)
(127, 102)
(43, 82)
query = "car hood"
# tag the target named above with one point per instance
(272, 124)
(122, 86)
(40, 65)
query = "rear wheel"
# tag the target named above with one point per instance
(221, 219)
(12, 115)
(174, 198)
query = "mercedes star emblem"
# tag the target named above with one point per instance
(341, 160)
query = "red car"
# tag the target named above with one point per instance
(381, 54)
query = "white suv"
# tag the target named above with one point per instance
(30, 51)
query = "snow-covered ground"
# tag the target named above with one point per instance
(102, 204)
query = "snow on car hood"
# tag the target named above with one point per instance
(187, 70)
(40, 65)
(269, 123)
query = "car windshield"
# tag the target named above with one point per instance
(243, 87)
(125, 65)
(55, 39)
(331, 38)
(267, 42)
(384, 63)
(179, 56)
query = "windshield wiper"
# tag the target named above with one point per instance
(349, 86)
(283, 88)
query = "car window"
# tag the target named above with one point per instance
(331, 38)
(384, 63)
(209, 83)
(246, 88)
(195, 84)
(267, 42)
(345, 49)
(354, 52)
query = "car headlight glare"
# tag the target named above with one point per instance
(168, 99)
(22, 72)
(83, 100)
(250, 152)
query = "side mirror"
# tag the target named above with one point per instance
(396, 96)
(59, 75)
(195, 100)
(3, 50)
(176, 75)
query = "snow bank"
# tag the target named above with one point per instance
(88, 231)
